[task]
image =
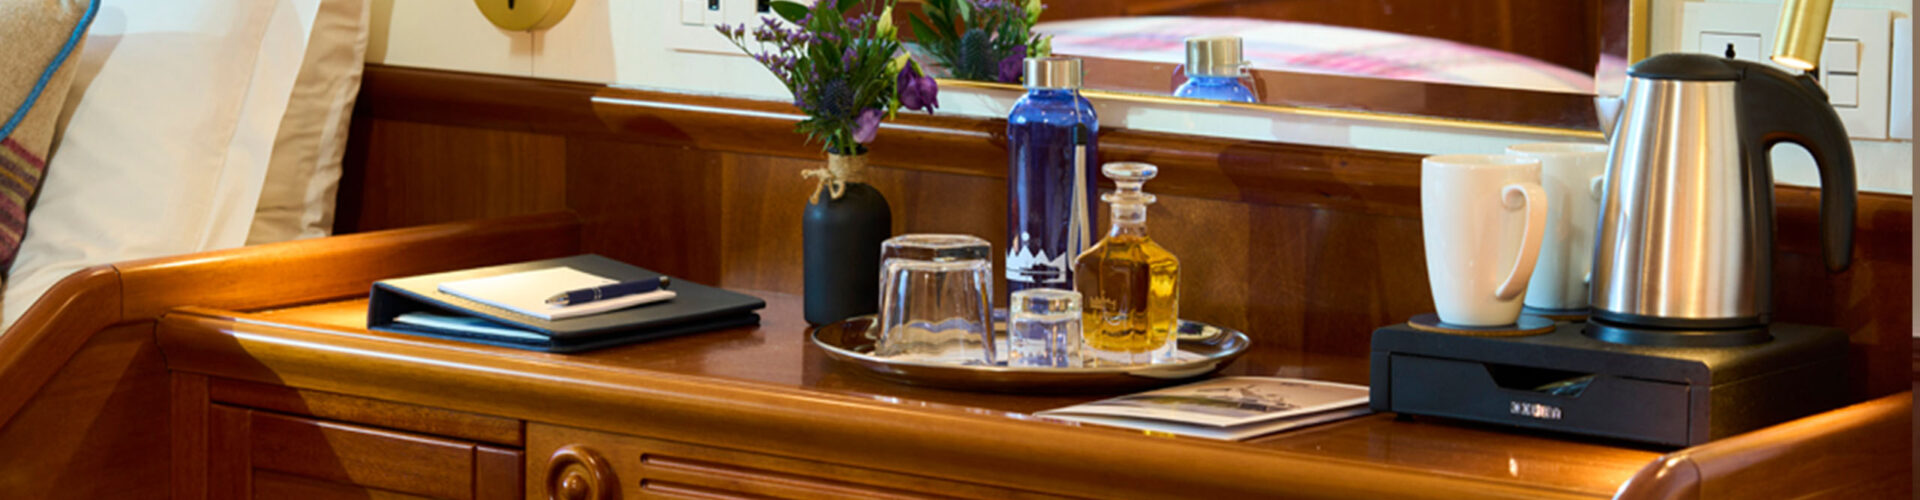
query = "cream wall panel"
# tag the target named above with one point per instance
(581, 46)
(445, 34)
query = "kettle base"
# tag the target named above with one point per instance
(1568, 381)
(1660, 337)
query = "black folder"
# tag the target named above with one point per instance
(695, 308)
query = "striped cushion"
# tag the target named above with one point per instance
(35, 73)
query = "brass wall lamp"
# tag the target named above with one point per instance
(530, 15)
(1802, 33)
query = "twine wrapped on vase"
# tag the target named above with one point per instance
(840, 170)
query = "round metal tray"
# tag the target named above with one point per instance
(1204, 349)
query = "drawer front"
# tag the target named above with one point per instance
(257, 454)
(1616, 407)
(406, 463)
(572, 463)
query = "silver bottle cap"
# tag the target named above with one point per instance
(1215, 56)
(1053, 73)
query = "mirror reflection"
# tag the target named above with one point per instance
(1532, 62)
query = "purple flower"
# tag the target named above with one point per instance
(1012, 68)
(917, 92)
(866, 125)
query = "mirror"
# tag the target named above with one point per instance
(1523, 62)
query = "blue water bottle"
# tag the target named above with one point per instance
(1053, 139)
(1215, 70)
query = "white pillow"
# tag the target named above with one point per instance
(166, 136)
(297, 200)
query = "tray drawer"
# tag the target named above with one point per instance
(1639, 410)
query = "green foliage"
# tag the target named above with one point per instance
(981, 39)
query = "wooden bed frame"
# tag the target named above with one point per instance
(87, 407)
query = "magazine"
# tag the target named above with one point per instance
(1230, 408)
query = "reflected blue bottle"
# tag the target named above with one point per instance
(1215, 70)
(1217, 88)
(1052, 144)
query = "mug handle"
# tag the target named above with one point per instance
(1535, 199)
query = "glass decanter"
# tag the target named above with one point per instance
(1129, 283)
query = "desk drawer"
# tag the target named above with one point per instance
(262, 454)
(575, 463)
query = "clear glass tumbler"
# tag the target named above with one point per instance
(1043, 328)
(936, 299)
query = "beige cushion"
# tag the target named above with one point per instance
(297, 200)
(41, 37)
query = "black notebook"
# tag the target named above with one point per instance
(693, 308)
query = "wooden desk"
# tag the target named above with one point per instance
(246, 374)
(763, 404)
(760, 411)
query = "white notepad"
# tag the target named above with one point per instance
(527, 292)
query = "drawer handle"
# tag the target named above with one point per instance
(575, 472)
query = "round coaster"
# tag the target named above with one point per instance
(1557, 314)
(1527, 325)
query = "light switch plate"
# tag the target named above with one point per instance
(1872, 28)
(1840, 55)
(693, 12)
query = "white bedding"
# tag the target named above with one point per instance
(165, 143)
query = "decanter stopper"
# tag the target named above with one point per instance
(1127, 177)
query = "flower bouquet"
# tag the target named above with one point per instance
(846, 71)
(983, 40)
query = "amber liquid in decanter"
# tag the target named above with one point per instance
(1130, 284)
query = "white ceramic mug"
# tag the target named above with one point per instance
(1573, 174)
(1482, 217)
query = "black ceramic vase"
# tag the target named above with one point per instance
(841, 238)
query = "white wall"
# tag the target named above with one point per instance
(1883, 166)
(633, 42)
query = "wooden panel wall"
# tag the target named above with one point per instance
(1300, 246)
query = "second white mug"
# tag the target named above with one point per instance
(1573, 174)
(1482, 218)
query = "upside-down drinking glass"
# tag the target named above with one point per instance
(936, 299)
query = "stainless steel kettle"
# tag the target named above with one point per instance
(1685, 238)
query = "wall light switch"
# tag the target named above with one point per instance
(1862, 57)
(693, 12)
(1841, 56)
(1843, 90)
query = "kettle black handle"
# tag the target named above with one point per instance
(1777, 107)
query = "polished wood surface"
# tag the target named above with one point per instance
(519, 172)
(1853, 441)
(639, 468)
(766, 389)
(97, 428)
(1302, 246)
(385, 414)
(357, 455)
(259, 454)
(87, 403)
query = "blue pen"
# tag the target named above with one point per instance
(604, 292)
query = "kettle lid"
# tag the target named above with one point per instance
(1682, 66)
